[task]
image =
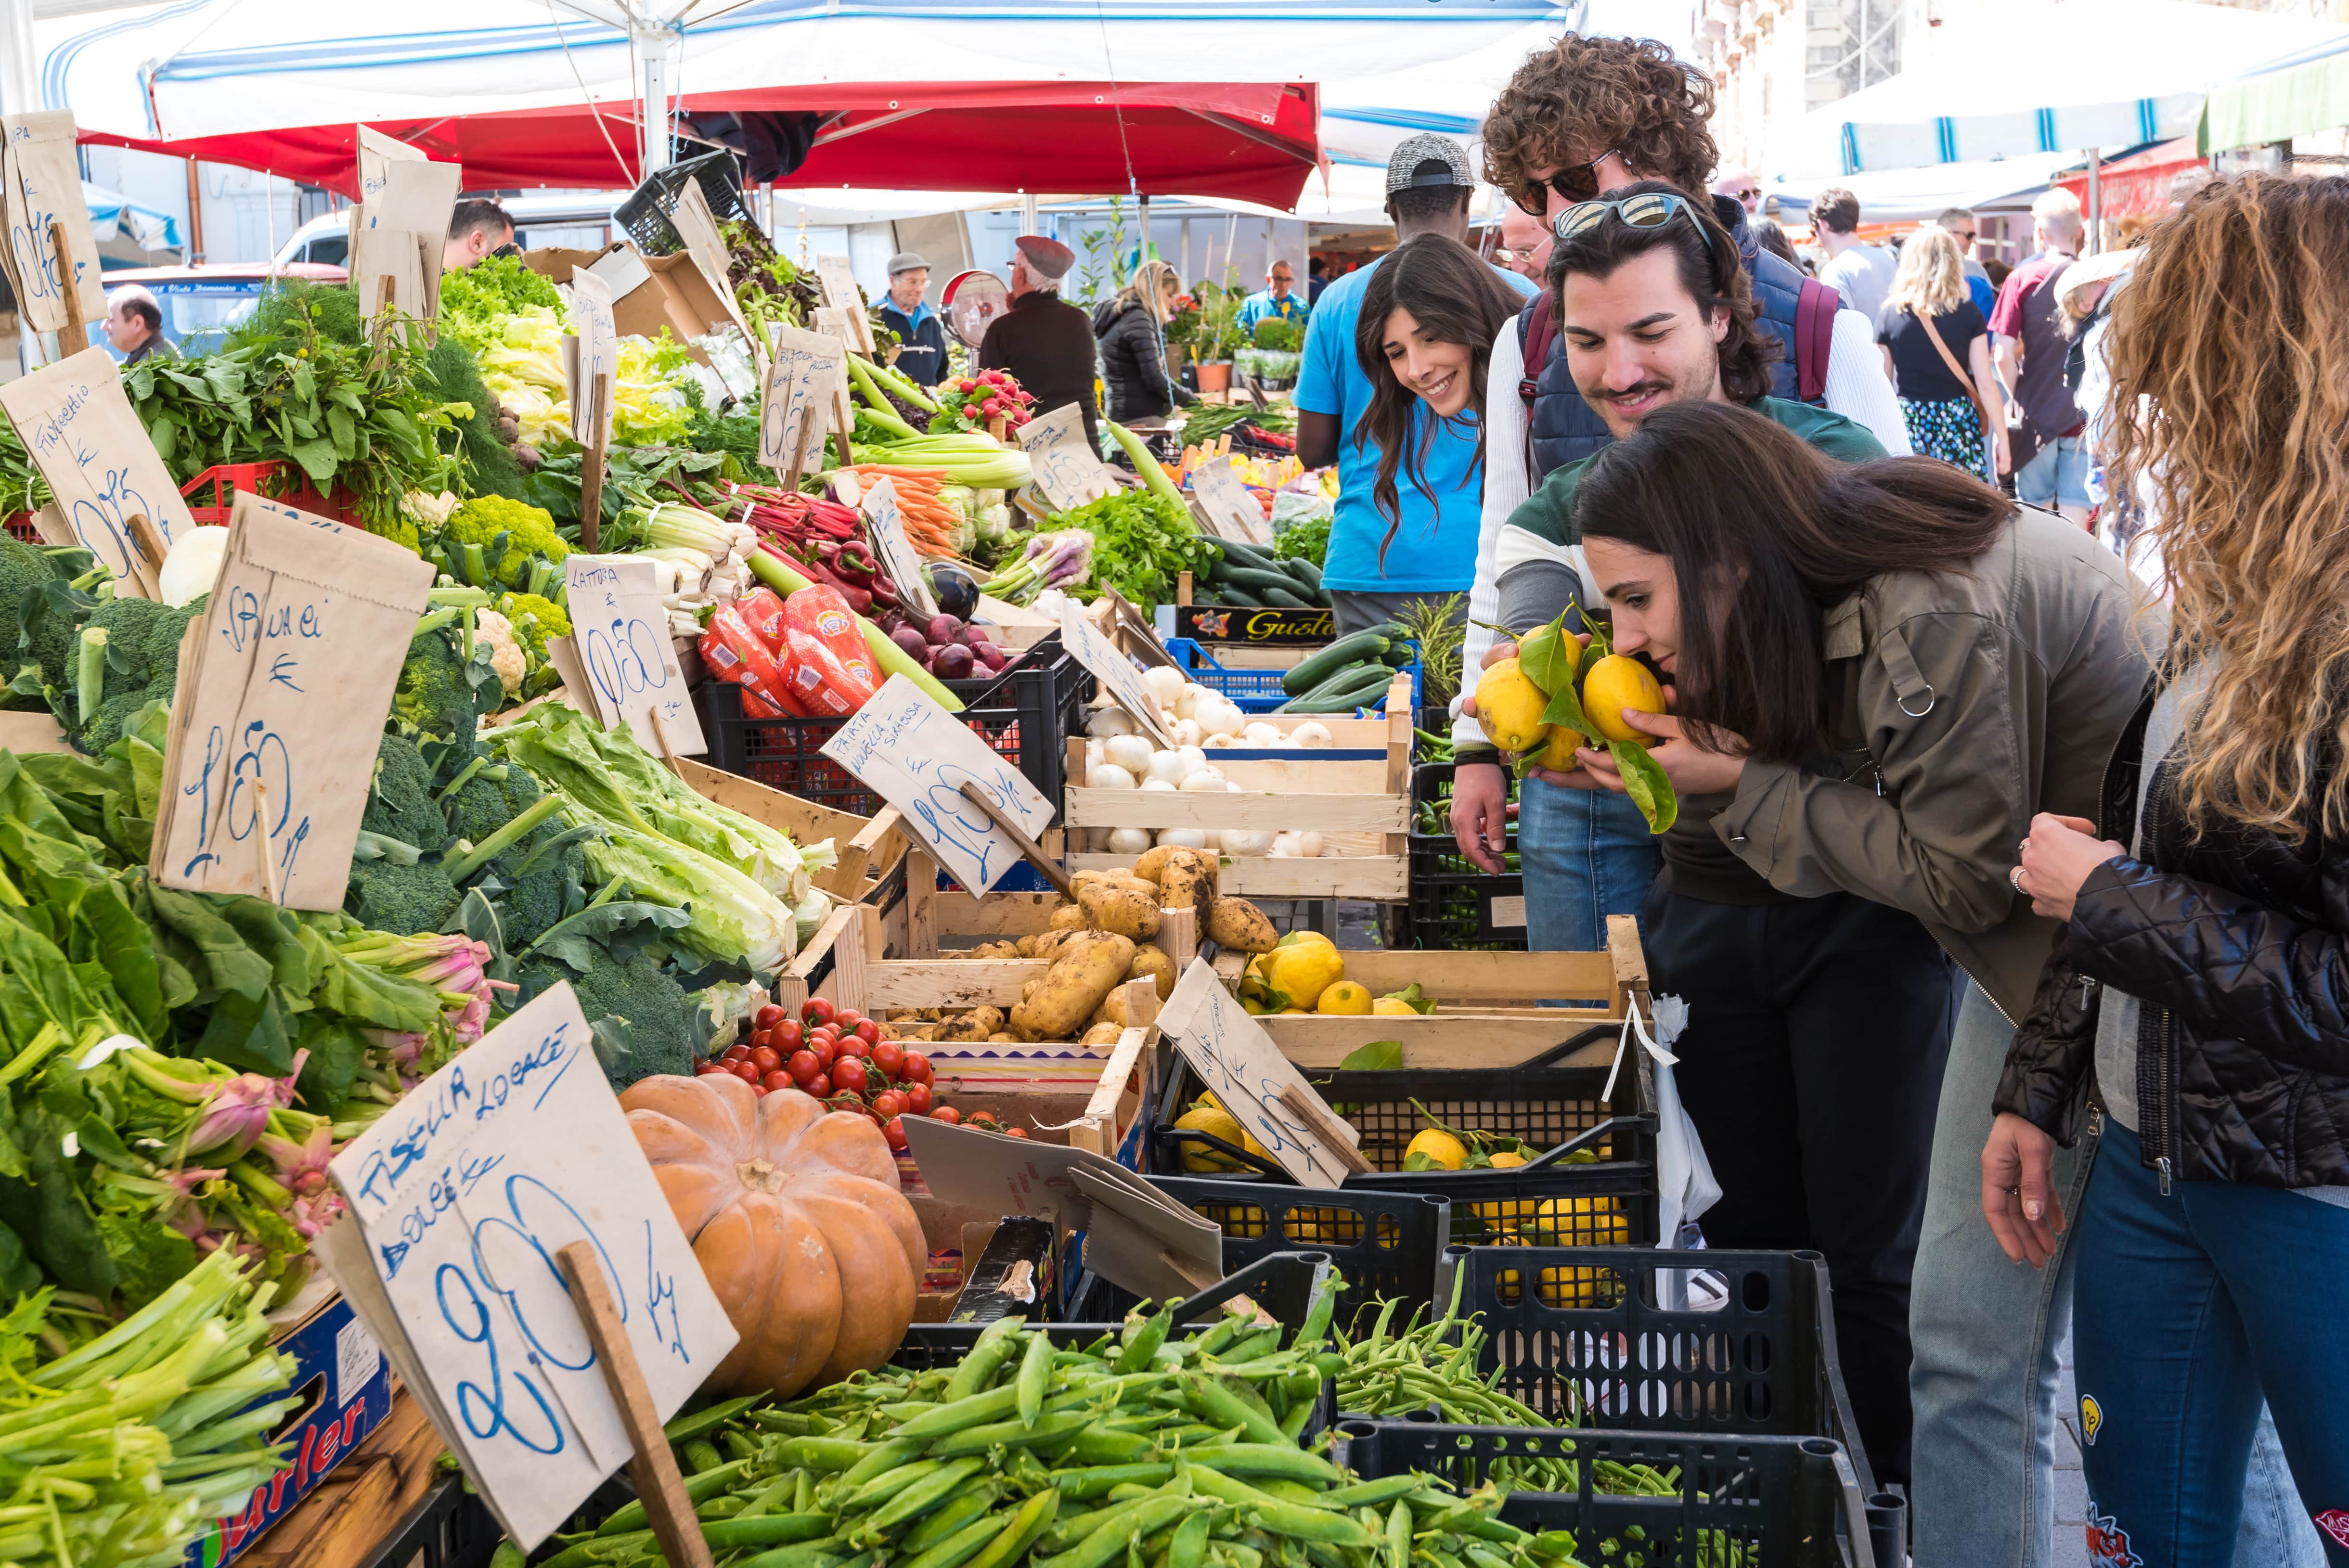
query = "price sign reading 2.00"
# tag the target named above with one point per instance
(621, 633)
(917, 756)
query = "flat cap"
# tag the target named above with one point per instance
(905, 261)
(1047, 256)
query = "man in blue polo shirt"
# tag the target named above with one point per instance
(1278, 299)
(1434, 554)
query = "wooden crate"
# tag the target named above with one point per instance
(1360, 805)
(1486, 1014)
(866, 847)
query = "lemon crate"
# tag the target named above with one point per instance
(1748, 1501)
(1355, 795)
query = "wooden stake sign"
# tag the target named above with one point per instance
(1239, 1062)
(917, 756)
(619, 631)
(841, 325)
(282, 687)
(508, 1246)
(78, 424)
(803, 373)
(51, 256)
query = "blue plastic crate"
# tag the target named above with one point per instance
(1254, 691)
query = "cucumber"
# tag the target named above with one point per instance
(1331, 698)
(1251, 578)
(1283, 599)
(1349, 674)
(1239, 552)
(1304, 571)
(1347, 650)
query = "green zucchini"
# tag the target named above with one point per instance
(1348, 650)
(1254, 578)
(1242, 553)
(1304, 571)
(1333, 698)
(1286, 600)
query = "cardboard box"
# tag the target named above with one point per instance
(674, 293)
(345, 1384)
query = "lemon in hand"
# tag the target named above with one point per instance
(1615, 684)
(1510, 706)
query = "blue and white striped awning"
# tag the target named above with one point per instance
(113, 214)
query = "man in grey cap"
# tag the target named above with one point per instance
(1046, 342)
(921, 336)
(1433, 553)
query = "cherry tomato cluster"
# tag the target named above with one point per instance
(839, 1057)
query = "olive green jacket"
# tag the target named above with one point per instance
(1958, 706)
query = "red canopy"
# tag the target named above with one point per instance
(2139, 183)
(1248, 142)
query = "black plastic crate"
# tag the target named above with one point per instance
(1609, 1199)
(644, 216)
(1451, 903)
(1588, 1334)
(1750, 1502)
(1025, 712)
(1384, 1245)
(449, 1526)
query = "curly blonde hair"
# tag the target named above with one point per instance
(2233, 340)
(1582, 98)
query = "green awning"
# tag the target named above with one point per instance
(2278, 105)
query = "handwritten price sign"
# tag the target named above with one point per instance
(1242, 1067)
(801, 374)
(898, 554)
(621, 634)
(40, 184)
(282, 691)
(462, 1195)
(917, 756)
(1119, 679)
(76, 423)
(1066, 470)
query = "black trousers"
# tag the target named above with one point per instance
(1811, 1065)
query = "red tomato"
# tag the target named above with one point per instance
(777, 1080)
(895, 1132)
(823, 1050)
(756, 1039)
(850, 1045)
(888, 1103)
(737, 1053)
(917, 1099)
(946, 1114)
(847, 1018)
(704, 1068)
(868, 1031)
(849, 1073)
(816, 1010)
(827, 1032)
(917, 1068)
(804, 1069)
(747, 1072)
(785, 1036)
(768, 1016)
(1015, 1132)
(764, 1058)
(889, 1057)
(819, 1086)
(759, 1090)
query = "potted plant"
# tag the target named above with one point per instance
(1273, 354)
(1181, 331)
(1216, 336)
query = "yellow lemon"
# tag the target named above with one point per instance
(1616, 683)
(1509, 706)
(1345, 996)
(1295, 1013)
(1253, 1005)
(1392, 1008)
(1578, 1222)
(1558, 753)
(1298, 973)
(1507, 1160)
(1439, 1146)
(1216, 1122)
(1306, 938)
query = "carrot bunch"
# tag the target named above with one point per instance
(931, 522)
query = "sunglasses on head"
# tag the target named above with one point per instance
(1576, 183)
(1648, 209)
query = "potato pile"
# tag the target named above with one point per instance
(1096, 945)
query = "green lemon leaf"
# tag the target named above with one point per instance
(1644, 779)
(1423, 1162)
(1547, 657)
(1566, 708)
(1377, 1057)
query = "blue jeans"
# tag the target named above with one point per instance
(1983, 1335)
(2190, 1307)
(1586, 854)
(2056, 476)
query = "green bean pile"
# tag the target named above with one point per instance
(1139, 1451)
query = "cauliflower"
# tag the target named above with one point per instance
(505, 654)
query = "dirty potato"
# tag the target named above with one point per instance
(1189, 880)
(1069, 917)
(1128, 909)
(1102, 1035)
(1153, 863)
(1152, 964)
(1237, 924)
(1087, 965)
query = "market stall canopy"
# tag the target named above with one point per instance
(2000, 78)
(1907, 195)
(113, 214)
(2301, 93)
(1215, 95)
(2138, 182)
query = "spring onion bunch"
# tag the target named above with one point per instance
(973, 459)
(1059, 559)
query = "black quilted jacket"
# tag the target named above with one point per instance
(2238, 946)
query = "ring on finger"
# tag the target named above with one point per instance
(2015, 876)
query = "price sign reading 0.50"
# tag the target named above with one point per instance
(620, 629)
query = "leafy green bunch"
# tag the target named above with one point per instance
(1141, 543)
(476, 301)
(1306, 540)
(1279, 334)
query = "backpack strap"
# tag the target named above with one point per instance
(1537, 331)
(1815, 313)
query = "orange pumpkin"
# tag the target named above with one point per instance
(796, 1217)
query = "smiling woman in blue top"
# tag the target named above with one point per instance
(1431, 553)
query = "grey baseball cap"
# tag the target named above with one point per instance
(1407, 165)
(905, 261)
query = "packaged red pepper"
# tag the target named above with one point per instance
(762, 611)
(821, 611)
(733, 651)
(817, 679)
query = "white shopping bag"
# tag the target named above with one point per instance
(1685, 1186)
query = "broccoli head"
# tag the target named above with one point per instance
(440, 695)
(400, 805)
(490, 797)
(141, 666)
(23, 570)
(542, 888)
(528, 558)
(384, 895)
(642, 1016)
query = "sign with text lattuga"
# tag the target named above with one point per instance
(1241, 1067)
(1119, 681)
(78, 424)
(40, 185)
(804, 370)
(1065, 466)
(917, 756)
(284, 682)
(619, 631)
(458, 1199)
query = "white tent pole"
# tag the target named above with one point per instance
(20, 88)
(652, 112)
(2095, 201)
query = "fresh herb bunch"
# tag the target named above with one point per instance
(1308, 540)
(768, 288)
(1142, 542)
(1279, 334)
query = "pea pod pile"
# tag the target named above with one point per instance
(1138, 1451)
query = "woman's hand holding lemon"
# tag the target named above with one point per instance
(1692, 769)
(1556, 763)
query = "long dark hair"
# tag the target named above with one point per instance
(1455, 298)
(1765, 535)
(1708, 268)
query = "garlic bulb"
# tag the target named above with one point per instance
(1188, 837)
(1165, 784)
(1260, 734)
(1173, 767)
(1130, 752)
(1246, 842)
(1312, 732)
(1188, 733)
(1219, 742)
(1128, 840)
(1166, 682)
(1104, 722)
(1205, 780)
(1223, 719)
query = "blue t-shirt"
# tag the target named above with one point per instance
(1262, 304)
(1434, 551)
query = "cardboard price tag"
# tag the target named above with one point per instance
(1241, 1067)
(406, 205)
(78, 424)
(598, 358)
(1119, 679)
(282, 687)
(917, 756)
(804, 372)
(841, 292)
(697, 227)
(1231, 512)
(460, 1198)
(397, 237)
(898, 557)
(619, 635)
(1065, 467)
(40, 186)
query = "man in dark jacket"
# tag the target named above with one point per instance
(922, 336)
(1043, 341)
